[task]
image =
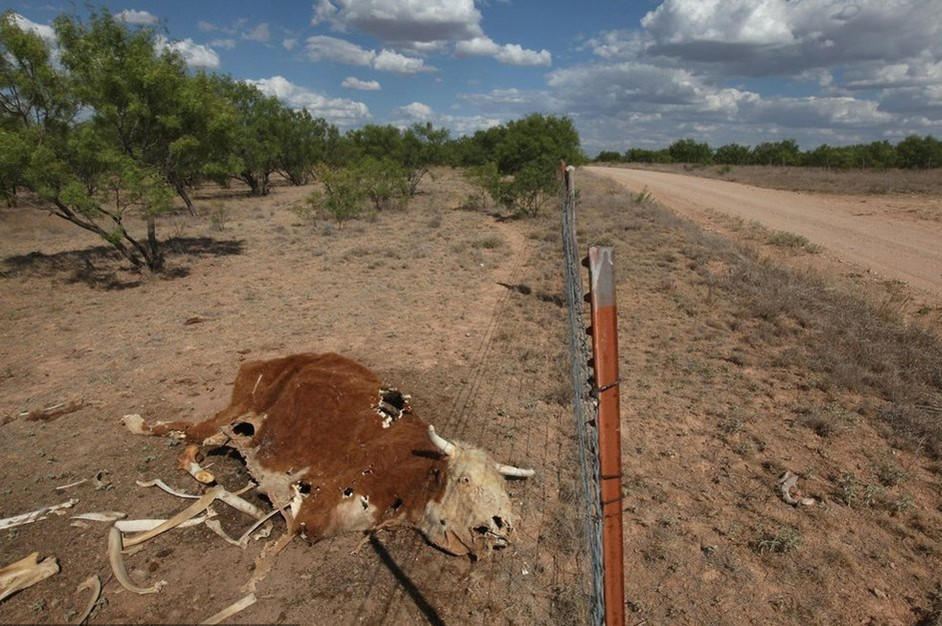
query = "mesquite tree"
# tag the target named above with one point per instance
(101, 135)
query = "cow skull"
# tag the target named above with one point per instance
(474, 515)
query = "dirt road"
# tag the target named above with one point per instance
(882, 233)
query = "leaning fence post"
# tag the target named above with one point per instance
(605, 361)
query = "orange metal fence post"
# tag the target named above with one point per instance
(605, 351)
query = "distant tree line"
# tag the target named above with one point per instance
(111, 123)
(913, 152)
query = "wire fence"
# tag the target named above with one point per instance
(585, 407)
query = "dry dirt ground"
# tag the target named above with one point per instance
(724, 387)
(891, 235)
(418, 296)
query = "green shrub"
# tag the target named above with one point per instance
(343, 195)
(384, 182)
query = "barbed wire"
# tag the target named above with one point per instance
(585, 408)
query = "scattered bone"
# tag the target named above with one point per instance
(188, 513)
(266, 559)
(785, 485)
(100, 483)
(188, 462)
(93, 584)
(231, 610)
(35, 516)
(163, 486)
(70, 485)
(265, 531)
(79, 524)
(136, 424)
(54, 411)
(25, 573)
(117, 566)
(243, 541)
(241, 504)
(146, 525)
(104, 516)
(216, 527)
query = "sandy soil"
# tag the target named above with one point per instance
(464, 311)
(882, 233)
(418, 296)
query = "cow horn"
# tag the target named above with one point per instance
(447, 448)
(515, 472)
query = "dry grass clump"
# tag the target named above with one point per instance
(847, 342)
(854, 344)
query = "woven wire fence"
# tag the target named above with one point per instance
(585, 408)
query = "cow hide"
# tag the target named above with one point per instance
(337, 450)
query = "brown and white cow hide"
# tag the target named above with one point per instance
(326, 442)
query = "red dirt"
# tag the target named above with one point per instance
(417, 296)
(463, 311)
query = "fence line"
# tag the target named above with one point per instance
(585, 407)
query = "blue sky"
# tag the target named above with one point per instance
(631, 73)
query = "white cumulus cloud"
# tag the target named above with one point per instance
(260, 33)
(43, 30)
(511, 54)
(763, 37)
(339, 111)
(403, 20)
(195, 55)
(351, 82)
(132, 16)
(325, 48)
(389, 61)
(417, 110)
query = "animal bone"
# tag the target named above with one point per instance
(35, 516)
(240, 504)
(188, 513)
(117, 566)
(232, 609)
(99, 483)
(187, 461)
(163, 486)
(135, 423)
(104, 516)
(92, 583)
(70, 485)
(785, 484)
(25, 573)
(144, 525)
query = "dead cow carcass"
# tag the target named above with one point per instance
(336, 450)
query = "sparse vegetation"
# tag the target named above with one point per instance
(644, 196)
(781, 541)
(343, 195)
(792, 241)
